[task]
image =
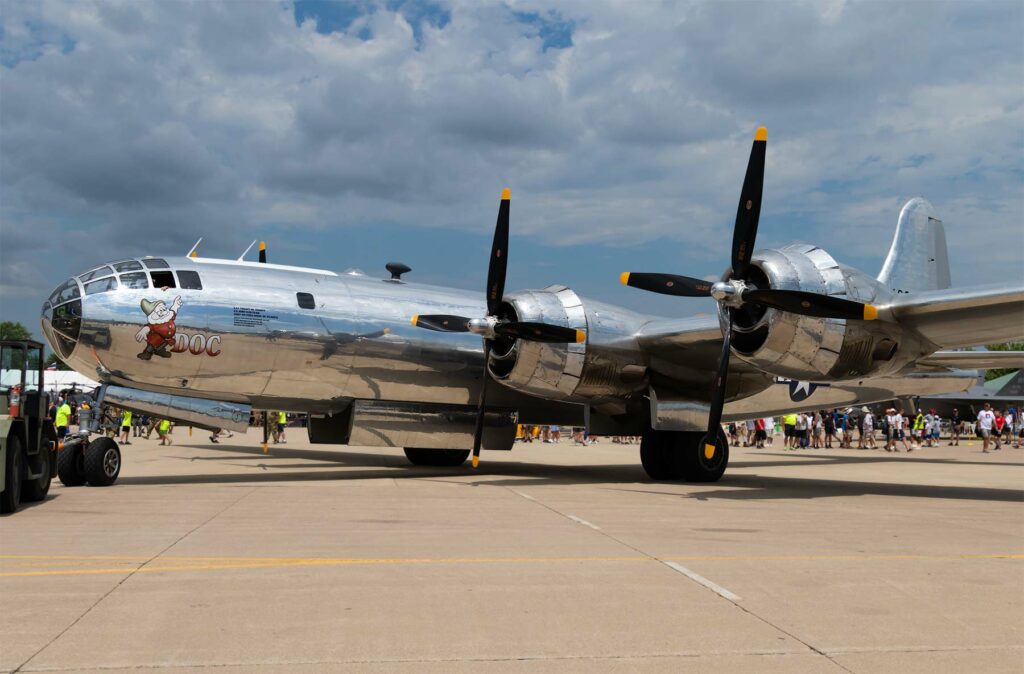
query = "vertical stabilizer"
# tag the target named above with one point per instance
(918, 259)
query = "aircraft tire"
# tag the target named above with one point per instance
(14, 470)
(693, 466)
(102, 462)
(447, 458)
(37, 489)
(654, 454)
(71, 466)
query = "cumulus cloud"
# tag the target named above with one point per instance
(135, 127)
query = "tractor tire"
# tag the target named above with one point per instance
(102, 462)
(37, 489)
(14, 469)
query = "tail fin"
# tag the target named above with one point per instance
(918, 259)
(1014, 387)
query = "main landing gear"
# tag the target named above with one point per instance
(447, 458)
(681, 455)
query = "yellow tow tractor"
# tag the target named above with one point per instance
(28, 439)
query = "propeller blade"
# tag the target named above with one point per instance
(499, 256)
(667, 284)
(263, 251)
(478, 432)
(540, 332)
(749, 211)
(441, 322)
(710, 443)
(811, 304)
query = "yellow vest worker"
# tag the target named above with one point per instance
(282, 418)
(62, 416)
(126, 419)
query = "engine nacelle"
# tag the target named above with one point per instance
(816, 349)
(609, 363)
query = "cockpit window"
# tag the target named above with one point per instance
(162, 279)
(155, 263)
(96, 273)
(135, 281)
(68, 291)
(101, 286)
(130, 265)
(189, 280)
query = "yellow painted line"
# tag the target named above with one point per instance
(224, 563)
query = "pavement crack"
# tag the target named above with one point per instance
(131, 573)
(735, 602)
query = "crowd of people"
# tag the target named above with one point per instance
(893, 429)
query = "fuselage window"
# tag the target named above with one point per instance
(95, 273)
(130, 265)
(155, 263)
(101, 286)
(135, 280)
(306, 301)
(189, 280)
(162, 279)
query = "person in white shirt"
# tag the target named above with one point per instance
(986, 422)
(868, 434)
(769, 429)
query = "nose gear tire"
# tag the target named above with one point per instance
(102, 462)
(71, 466)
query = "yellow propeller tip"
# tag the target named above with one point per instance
(709, 452)
(761, 133)
(194, 253)
(506, 194)
(263, 245)
(580, 336)
(476, 461)
(415, 318)
(870, 312)
(624, 278)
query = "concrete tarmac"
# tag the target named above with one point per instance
(551, 558)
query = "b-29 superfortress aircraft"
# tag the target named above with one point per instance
(441, 372)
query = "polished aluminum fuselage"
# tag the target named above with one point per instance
(244, 337)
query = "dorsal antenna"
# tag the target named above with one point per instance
(242, 256)
(192, 252)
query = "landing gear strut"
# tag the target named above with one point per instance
(681, 455)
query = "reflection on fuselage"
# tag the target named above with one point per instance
(236, 331)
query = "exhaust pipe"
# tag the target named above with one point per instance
(208, 414)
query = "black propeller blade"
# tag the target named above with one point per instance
(811, 304)
(491, 326)
(441, 322)
(263, 251)
(667, 284)
(539, 332)
(718, 393)
(749, 210)
(744, 236)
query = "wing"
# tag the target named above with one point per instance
(974, 360)
(959, 317)
(682, 355)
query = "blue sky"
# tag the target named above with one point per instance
(354, 133)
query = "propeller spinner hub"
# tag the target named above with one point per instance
(729, 293)
(483, 326)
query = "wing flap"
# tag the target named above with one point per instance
(958, 317)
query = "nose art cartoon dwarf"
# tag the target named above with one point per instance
(159, 333)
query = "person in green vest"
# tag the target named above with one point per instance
(62, 416)
(126, 426)
(918, 438)
(282, 421)
(789, 426)
(163, 429)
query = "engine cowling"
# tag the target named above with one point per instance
(816, 349)
(608, 363)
